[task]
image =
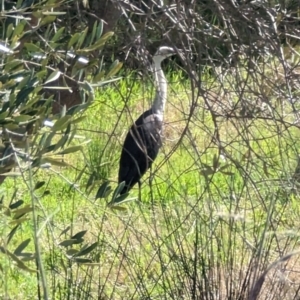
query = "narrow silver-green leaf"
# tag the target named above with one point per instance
(53, 161)
(22, 211)
(47, 20)
(71, 149)
(99, 30)
(73, 39)
(19, 29)
(115, 68)
(86, 250)
(53, 76)
(118, 207)
(82, 260)
(79, 234)
(18, 262)
(32, 47)
(67, 243)
(62, 123)
(21, 247)
(58, 34)
(81, 38)
(9, 30)
(103, 190)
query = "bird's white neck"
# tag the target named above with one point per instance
(161, 89)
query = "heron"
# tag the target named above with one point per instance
(143, 141)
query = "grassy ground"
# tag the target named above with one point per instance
(218, 207)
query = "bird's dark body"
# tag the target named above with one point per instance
(143, 140)
(140, 149)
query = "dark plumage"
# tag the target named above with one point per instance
(143, 140)
(140, 149)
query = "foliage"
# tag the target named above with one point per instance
(214, 32)
(218, 215)
(48, 74)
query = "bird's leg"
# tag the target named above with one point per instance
(150, 178)
(150, 184)
(140, 190)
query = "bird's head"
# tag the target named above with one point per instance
(162, 53)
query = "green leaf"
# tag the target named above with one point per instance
(53, 161)
(120, 199)
(71, 252)
(53, 76)
(9, 30)
(118, 190)
(106, 36)
(87, 250)
(100, 43)
(63, 111)
(42, 74)
(216, 162)
(79, 234)
(23, 95)
(22, 211)
(99, 30)
(76, 108)
(18, 262)
(61, 142)
(71, 137)
(27, 256)
(47, 20)
(22, 118)
(67, 243)
(3, 115)
(71, 149)
(19, 29)
(78, 120)
(115, 68)
(62, 123)
(16, 204)
(223, 168)
(32, 47)
(12, 233)
(73, 39)
(90, 182)
(19, 221)
(65, 230)
(24, 82)
(37, 13)
(13, 65)
(99, 76)
(87, 87)
(92, 36)
(39, 184)
(103, 190)
(82, 260)
(58, 34)
(21, 247)
(81, 38)
(118, 207)
(46, 141)
(46, 193)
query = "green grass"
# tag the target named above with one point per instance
(206, 226)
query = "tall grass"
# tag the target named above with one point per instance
(219, 206)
